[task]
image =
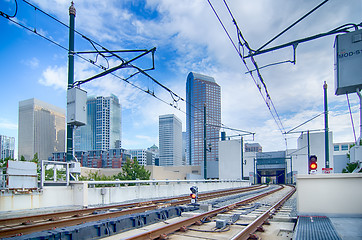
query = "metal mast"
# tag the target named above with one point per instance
(70, 76)
(326, 125)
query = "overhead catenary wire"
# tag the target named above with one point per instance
(293, 24)
(290, 131)
(10, 16)
(350, 114)
(273, 111)
(174, 96)
(267, 98)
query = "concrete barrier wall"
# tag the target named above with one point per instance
(120, 194)
(330, 195)
(80, 195)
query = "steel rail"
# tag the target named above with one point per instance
(26, 229)
(183, 224)
(258, 222)
(29, 224)
(80, 212)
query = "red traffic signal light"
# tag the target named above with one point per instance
(193, 195)
(313, 166)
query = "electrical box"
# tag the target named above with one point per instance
(356, 153)
(75, 167)
(21, 175)
(348, 62)
(221, 223)
(76, 107)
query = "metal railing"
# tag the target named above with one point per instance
(153, 182)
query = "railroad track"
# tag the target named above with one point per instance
(18, 226)
(180, 229)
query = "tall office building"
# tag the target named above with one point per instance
(41, 129)
(184, 149)
(143, 156)
(253, 147)
(170, 137)
(7, 147)
(202, 91)
(103, 129)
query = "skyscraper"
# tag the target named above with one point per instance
(7, 147)
(202, 91)
(170, 140)
(41, 129)
(103, 129)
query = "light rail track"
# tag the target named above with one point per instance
(182, 226)
(24, 225)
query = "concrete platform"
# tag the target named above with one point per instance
(348, 228)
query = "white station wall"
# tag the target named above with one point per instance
(330, 194)
(230, 159)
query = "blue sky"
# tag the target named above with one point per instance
(188, 37)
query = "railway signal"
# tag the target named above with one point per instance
(194, 194)
(312, 164)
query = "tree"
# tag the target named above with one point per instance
(22, 158)
(95, 176)
(131, 170)
(35, 158)
(4, 162)
(350, 167)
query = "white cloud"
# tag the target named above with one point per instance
(32, 63)
(6, 124)
(190, 38)
(55, 76)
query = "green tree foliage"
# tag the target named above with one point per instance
(95, 176)
(131, 170)
(61, 174)
(3, 163)
(350, 167)
(35, 158)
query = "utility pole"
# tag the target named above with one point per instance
(326, 125)
(205, 164)
(70, 77)
(242, 158)
(308, 144)
(360, 118)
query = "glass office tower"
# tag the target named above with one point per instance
(7, 147)
(103, 129)
(202, 90)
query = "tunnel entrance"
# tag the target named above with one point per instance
(271, 167)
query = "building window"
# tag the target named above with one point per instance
(344, 147)
(336, 148)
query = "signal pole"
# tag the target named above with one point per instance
(326, 125)
(205, 164)
(70, 77)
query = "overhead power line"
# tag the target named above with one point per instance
(240, 50)
(245, 51)
(293, 24)
(175, 97)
